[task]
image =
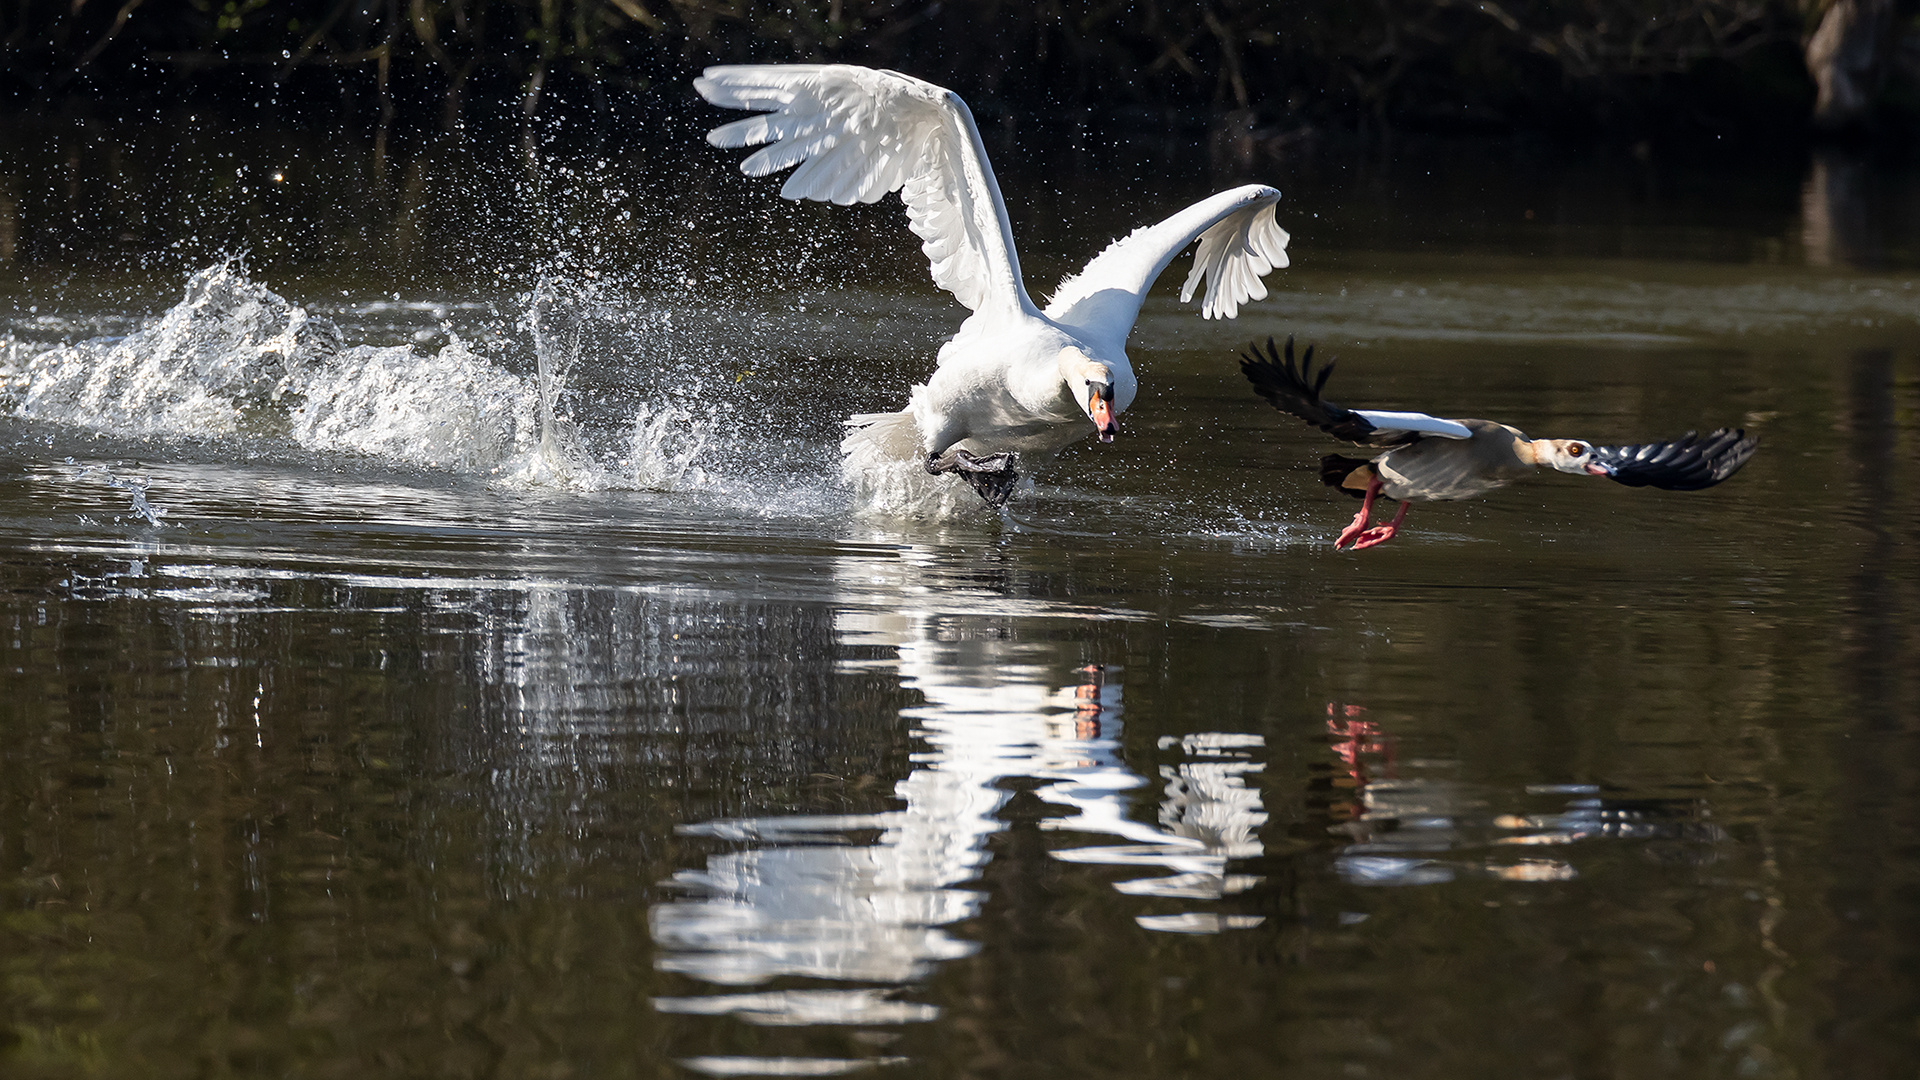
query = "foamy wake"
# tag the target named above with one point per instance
(228, 347)
(451, 410)
(235, 359)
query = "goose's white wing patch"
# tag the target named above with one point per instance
(1416, 421)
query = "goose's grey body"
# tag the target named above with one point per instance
(1437, 467)
(1425, 458)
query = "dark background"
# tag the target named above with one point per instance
(1733, 74)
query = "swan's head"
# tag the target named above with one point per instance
(1091, 383)
(1569, 456)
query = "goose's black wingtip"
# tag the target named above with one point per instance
(1273, 356)
(1690, 463)
(1288, 383)
(1293, 386)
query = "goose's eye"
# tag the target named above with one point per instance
(1576, 450)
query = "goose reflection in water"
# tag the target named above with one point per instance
(1416, 829)
(810, 897)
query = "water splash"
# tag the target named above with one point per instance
(136, 490)
(665, 406)
(885, 464)
(555, 320)
(666, 447)
(234, 359)
(230, 345)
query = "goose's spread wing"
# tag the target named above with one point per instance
(857, 134)
(1688, 463)
(1240, 242)
(1295, 389)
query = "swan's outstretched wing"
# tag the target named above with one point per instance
(1239, 243)
(857, 134)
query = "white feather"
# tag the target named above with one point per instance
(1239, 243)
(1416, 421)
(857, 134)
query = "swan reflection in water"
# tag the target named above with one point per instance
(871, 898)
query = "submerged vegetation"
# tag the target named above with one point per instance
(1640, 66)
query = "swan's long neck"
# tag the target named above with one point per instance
(1075, 365)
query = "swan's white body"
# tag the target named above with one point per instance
(1015, 378)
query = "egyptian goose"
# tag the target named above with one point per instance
(1429, 458)
(1015, 380)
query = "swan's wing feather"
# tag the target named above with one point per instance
(1688, 463)
(853, 134)
(1240, 242)
(1235, 252)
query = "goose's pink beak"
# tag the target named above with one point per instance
(1102, 413)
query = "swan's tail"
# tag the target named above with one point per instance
(885, 463)
(881, 436)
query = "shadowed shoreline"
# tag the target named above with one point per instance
(1761, 71)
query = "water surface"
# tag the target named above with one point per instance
(358, 722)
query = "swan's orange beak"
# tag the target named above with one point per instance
(1102, 413)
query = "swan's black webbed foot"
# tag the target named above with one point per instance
(995, 487)
(994, 477)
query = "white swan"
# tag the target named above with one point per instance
(1015, 381)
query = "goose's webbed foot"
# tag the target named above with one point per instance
(1374, 537)
(994, 476)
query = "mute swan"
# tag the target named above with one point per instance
(1429, 458)
(1016, 384)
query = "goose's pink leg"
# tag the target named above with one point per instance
(1358, 528)
(1380, 534)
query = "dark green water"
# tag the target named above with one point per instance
(392, 751)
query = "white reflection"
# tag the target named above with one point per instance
(870, 898)
(792, 1007)
(1197, 922)
(776, 1066)
(1208, 816)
